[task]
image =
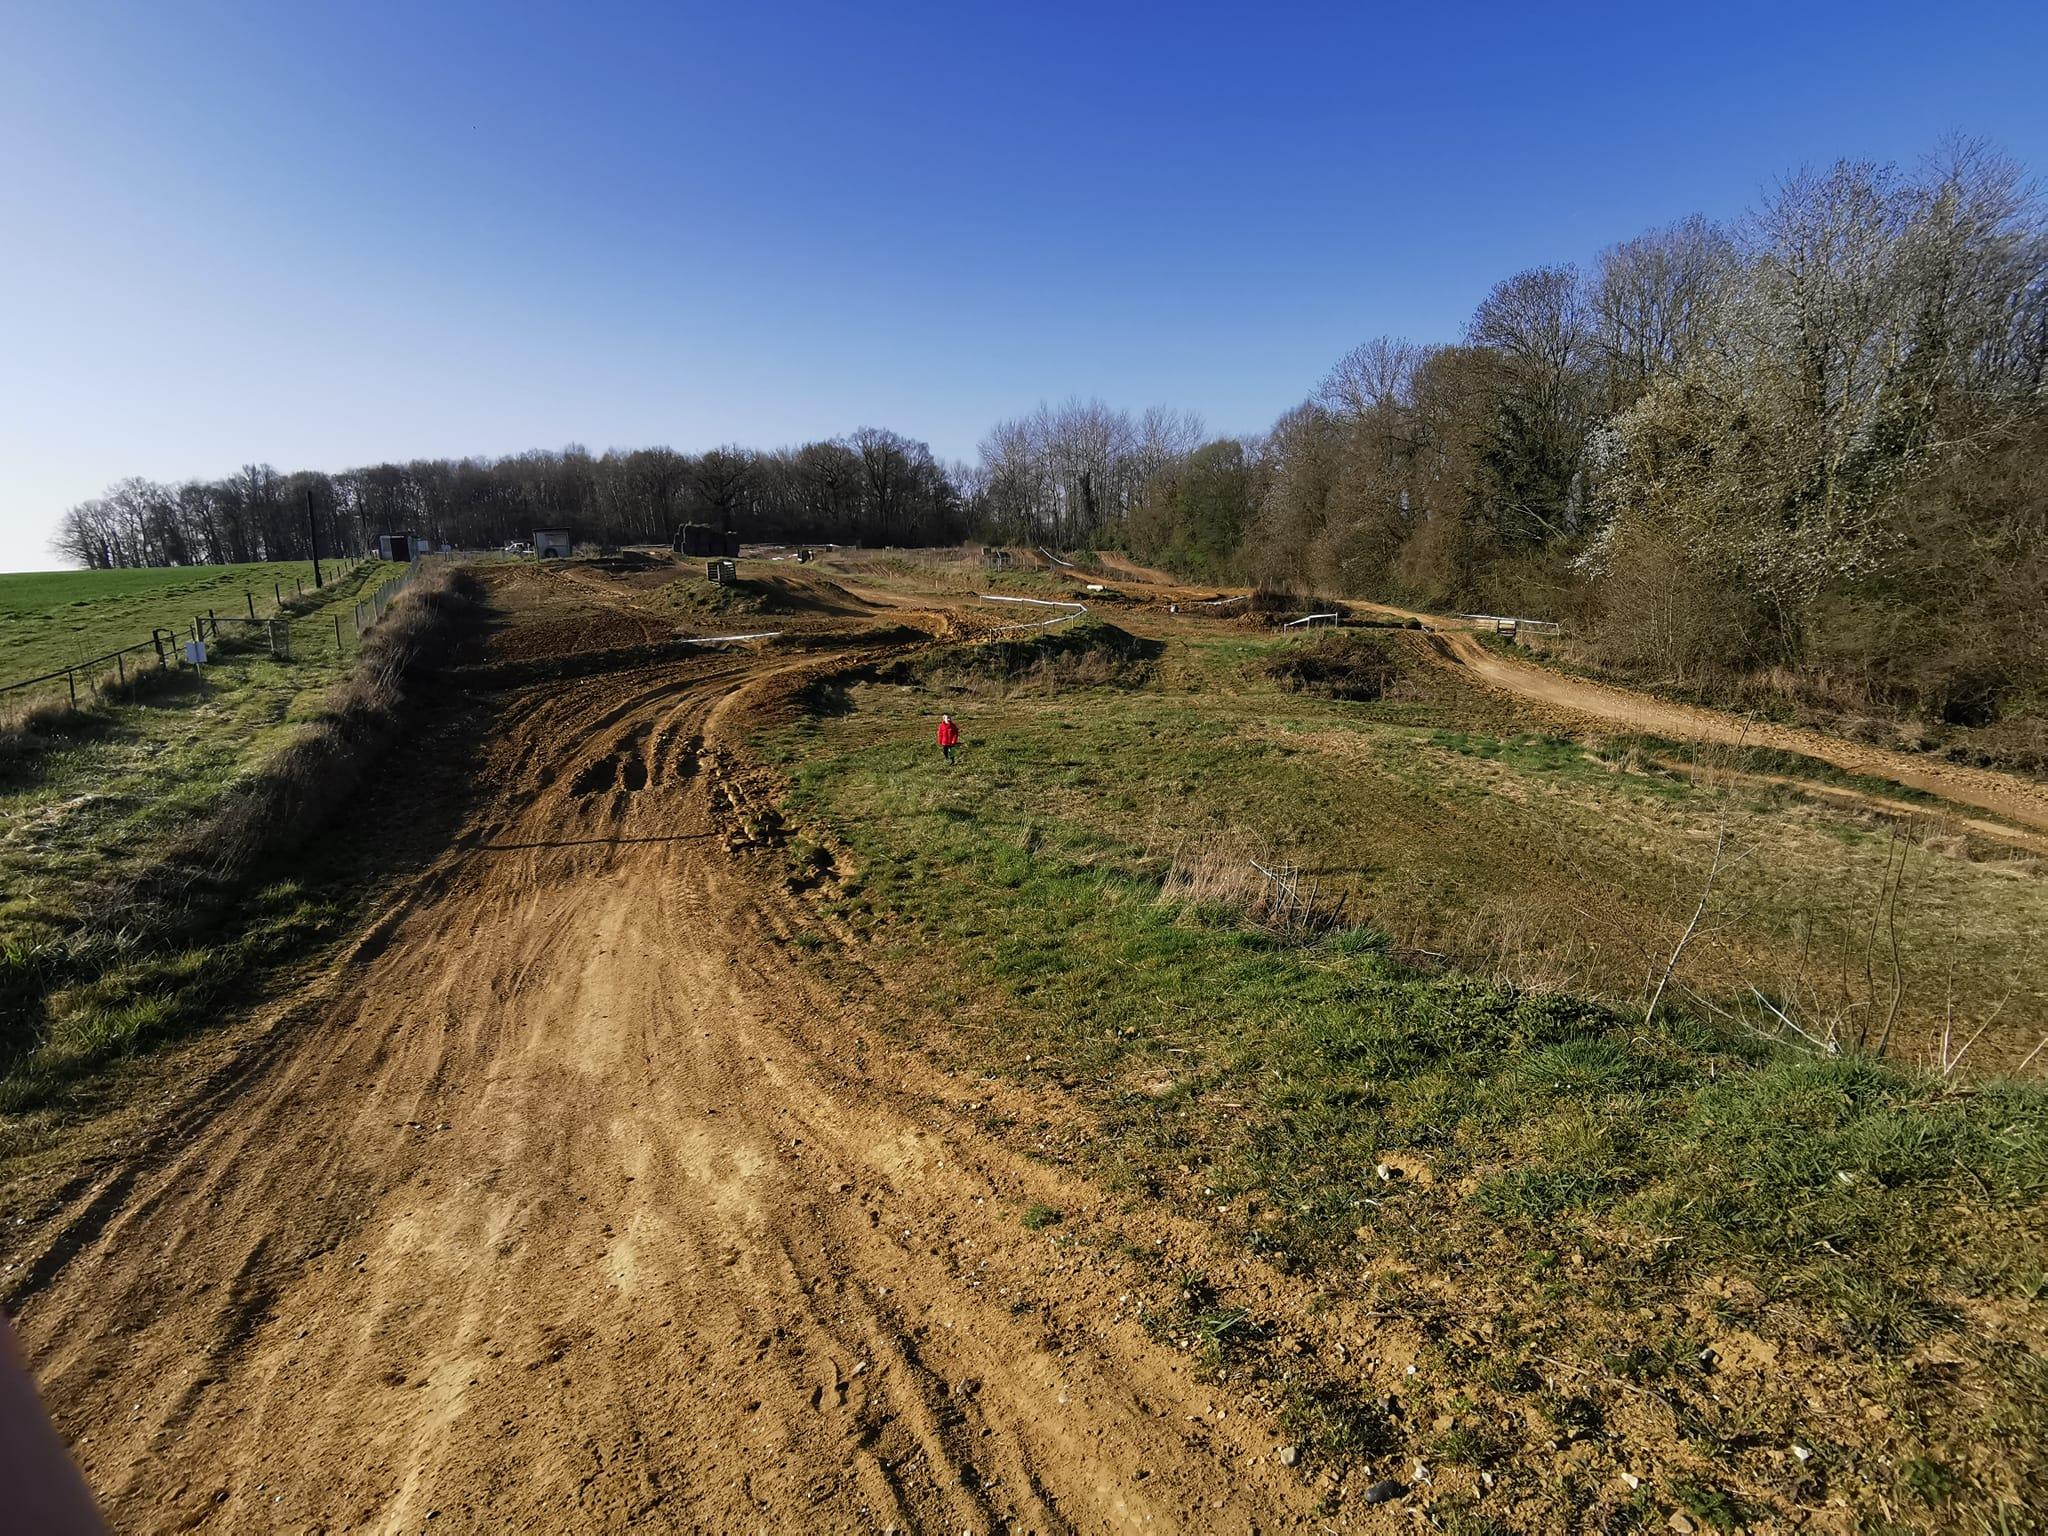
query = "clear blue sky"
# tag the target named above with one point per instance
(325, 235)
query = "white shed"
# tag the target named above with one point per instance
(552, 543)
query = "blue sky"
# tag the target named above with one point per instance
(323, 235)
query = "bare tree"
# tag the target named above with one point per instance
(1653, 299)
(721, 479)
(1372, 376)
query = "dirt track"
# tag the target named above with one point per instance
(571, 1203)
(567, 1205)
(2001, 793)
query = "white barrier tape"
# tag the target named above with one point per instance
(1075, 609)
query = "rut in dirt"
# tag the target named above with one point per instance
(573, 1206)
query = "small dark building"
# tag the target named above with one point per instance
(553, 543)
(400, 546)
(703, 539)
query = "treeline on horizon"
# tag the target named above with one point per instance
(871, 487)
(1805, 453)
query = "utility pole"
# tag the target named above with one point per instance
(313, 532)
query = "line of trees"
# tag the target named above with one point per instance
(1805, 451)
(871, 487)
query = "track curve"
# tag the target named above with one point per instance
(2004, 794)
(569, 1205)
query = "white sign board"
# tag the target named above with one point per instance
(195, 652)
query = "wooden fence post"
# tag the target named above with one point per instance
(251, 596)
(71, 683)
(337, 634)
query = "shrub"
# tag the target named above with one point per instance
(1338, 664)
(1086, 654)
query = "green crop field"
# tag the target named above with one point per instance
(51, 619)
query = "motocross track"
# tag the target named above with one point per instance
(568, 1204)
(2000, 793)
(571, 1202)
(1580, 701)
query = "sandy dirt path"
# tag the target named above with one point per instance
(567, 1205)
(2002, 794)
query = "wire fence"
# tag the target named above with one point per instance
(210, 638)
(371, 609)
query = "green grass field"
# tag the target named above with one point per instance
(1382, 1106)
(51, 619)
(1464, 838)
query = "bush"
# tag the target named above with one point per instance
(1338, 664)
(1085, 654)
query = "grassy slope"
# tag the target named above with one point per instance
(2016, 741)
(50, 619)
(99, 802)
(1581, 1189)
(1462, 837)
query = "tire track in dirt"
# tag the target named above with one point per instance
(553, 1214)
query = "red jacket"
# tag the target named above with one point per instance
(949, 734)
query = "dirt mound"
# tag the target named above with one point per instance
(787, 592)
(1271, 607)
(561, 610)
(1343, 664)
(780, 593)
(636, 569)
(1087, 654)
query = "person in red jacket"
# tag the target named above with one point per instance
(949, 736)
